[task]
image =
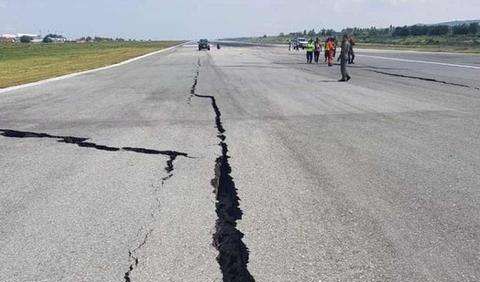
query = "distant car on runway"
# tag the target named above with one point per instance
(203, 44)
(301, 42)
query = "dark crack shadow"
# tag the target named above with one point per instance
(195, 82)
(173, 155)
(425, 79)
(82, 142)
(133, 258)
(233, 254)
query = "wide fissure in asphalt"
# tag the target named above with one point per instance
(233, 253)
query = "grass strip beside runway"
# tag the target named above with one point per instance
(425, 48)
(25, 63)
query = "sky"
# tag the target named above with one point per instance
(193, 19)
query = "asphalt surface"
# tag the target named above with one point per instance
(245, 164)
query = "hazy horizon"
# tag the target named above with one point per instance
(189, 19)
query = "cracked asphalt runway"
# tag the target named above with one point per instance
(245, 164)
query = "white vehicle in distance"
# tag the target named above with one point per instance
(301, 42)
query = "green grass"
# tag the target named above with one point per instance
(24, 63)
(420, 47)
(450, 43)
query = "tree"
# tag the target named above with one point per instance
(474, 28)
(439, 30)
(460, 29)
(53, 38)
(401, 31)
(329, 32)
(26, 39)
(417, 30)
(102, 39)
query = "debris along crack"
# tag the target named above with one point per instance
(233, 253)
(133, 258)
(426, 79)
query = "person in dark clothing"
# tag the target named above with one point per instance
(351, 53)
(318, 49)
(335, 44)
(344, 58)
(325, 49)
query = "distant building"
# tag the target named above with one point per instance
(84, 39)
(27, 34)
(11, 38)
(35, 37)
(59, 40)
(8, 38)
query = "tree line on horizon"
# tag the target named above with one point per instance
(417, 30)
(400, 31)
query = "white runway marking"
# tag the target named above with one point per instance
(421, 62)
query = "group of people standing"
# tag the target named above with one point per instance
(347, 55)
(313, 50)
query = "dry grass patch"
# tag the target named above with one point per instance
(24, 63)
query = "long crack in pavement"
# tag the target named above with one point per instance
(134, 258)
(425, 79)
(82, 142)
(233, 253)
